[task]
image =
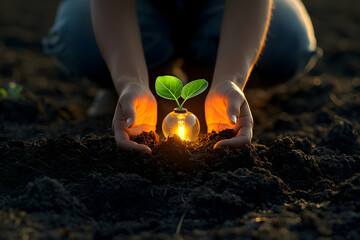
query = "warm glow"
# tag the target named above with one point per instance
(146, 115)
(216, 110)
(182, 123)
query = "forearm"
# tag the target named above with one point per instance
(117, 33)
(244, 27)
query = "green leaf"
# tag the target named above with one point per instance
(168, 87)
(194, 88)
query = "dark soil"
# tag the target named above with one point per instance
(62, 177)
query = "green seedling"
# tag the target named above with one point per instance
(170, 87)
(13, 91)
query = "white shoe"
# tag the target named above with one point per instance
(103, 104)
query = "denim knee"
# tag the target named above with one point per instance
(72, 42)
(291, 42)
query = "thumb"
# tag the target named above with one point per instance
(234, 103)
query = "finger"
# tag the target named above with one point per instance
(123, 141)
(128, 145)
(243, 128)
(235, 142)
(242, 138)
(127, 109)
(245, 119)
(234, 102)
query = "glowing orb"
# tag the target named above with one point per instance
(182, 123)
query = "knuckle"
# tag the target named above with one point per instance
(126, 112)
(233, 94)
(125, 109)
(234, 110)
(235, 99)
(126, 99)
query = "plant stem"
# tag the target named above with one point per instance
(178, 103)
(182, 104)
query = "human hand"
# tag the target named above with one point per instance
(136, 111)
(226, 108)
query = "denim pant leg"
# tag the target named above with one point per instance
(155, 34)
(290, 41)
(72, 43)
(71, 40)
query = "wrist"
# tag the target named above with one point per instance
(229, 81)
(225, 89)
(123, 83)
(238, 80)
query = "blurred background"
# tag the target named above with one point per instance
(336, 23)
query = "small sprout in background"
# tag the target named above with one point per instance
(180, 122)
(13, 91)
(3, 93)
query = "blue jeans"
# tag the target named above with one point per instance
(289, 46)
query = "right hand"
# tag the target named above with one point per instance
(136, 111)
(227, 108)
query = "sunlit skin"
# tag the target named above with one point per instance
(242, 37)
(243, 31)
(226, 108)
(136, 111)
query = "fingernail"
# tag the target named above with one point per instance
(233, 118)
(129, 121)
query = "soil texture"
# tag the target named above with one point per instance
(62, 176)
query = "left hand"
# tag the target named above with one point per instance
(226, 108)
(136, 112)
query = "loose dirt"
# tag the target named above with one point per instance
(62, 176)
